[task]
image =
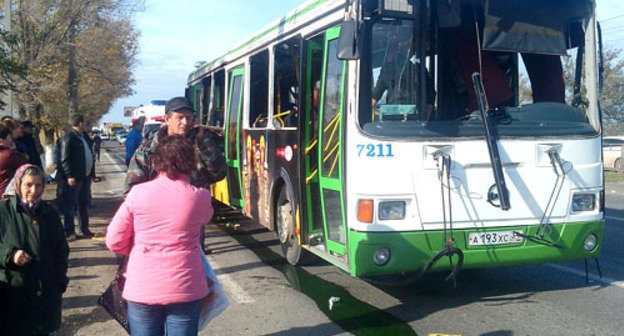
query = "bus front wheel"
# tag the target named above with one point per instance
(285, 226)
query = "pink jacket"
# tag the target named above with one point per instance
(158, 226)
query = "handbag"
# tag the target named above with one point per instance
(216, 301)
(111, 299)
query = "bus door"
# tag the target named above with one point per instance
(232, 135)
(313, 73)
(330, 142)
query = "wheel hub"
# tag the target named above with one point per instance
(284, 221)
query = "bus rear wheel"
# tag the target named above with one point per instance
(285, 226)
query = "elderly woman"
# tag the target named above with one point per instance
(158, 226)
(33, 259)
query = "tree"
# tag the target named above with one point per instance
(10, 68)
(612, 96)
(63, 42)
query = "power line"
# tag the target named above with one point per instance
(612, 18)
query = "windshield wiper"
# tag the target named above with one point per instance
(491, 137)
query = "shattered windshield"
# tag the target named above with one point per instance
(416, 76)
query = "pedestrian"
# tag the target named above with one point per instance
(180, 120)
(84, 197)
(158, 227)
(27, 141)
(33, 259)
(16, 133)
(74, 169)
(134, 139)
(10, 160)
(97, 144)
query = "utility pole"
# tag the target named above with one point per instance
(8, 99)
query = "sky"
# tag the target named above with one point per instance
(177, 34)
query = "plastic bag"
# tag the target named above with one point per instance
(216, 302)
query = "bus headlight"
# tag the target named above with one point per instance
(381, 256)
(590, 242)
(583, 202)
(392, 210)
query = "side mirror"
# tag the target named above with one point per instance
(601, 60)
(349, 41)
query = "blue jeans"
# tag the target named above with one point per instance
(178, 319)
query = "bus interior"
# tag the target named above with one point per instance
(416, 73)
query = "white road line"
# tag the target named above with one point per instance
(235, 290)
(120, 170)
(594, 277)
(621, 219)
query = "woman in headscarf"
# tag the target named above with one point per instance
(33, 259)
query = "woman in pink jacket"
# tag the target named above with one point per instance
(158, 227)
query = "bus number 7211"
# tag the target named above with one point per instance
(371, 150)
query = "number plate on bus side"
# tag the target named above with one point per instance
(494, 238)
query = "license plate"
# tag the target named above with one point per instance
(495, 238)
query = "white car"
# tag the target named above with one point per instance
(121, 138)
(612, 153)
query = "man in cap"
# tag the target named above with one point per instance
(180, 120)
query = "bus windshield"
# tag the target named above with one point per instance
(416, 73)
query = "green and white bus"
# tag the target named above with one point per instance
(384, 135)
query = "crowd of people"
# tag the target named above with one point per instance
(158, 227)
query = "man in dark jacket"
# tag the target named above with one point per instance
(180, 120)
(27, 142)
(74, 171)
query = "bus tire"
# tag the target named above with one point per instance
(285, 228)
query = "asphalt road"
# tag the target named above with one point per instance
(269, 297)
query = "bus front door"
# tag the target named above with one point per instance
(329, 146)
(232, 135)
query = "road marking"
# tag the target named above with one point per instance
(594, 277)
(235, 290)
(120, 170)
(621, 219)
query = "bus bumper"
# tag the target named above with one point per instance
(410, 251)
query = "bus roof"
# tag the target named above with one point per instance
(274, 26)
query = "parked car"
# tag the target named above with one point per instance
(612, 152)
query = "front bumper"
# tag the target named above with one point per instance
(410, 251)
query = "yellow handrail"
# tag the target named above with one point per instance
(281, 114)
(308, 149)
(331, 137)
(331, 152)
(333, 166)
(334, 119)
(309, 178)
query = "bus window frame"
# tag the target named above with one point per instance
(272, 86)
(247, 122)
(205, 105)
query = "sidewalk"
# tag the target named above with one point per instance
(91, 268)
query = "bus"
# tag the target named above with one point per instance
(393, 137)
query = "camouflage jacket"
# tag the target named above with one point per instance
(210, 164)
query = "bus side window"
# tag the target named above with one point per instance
(206, 86)
(286, 90)
(216, 114)
(259, 88)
